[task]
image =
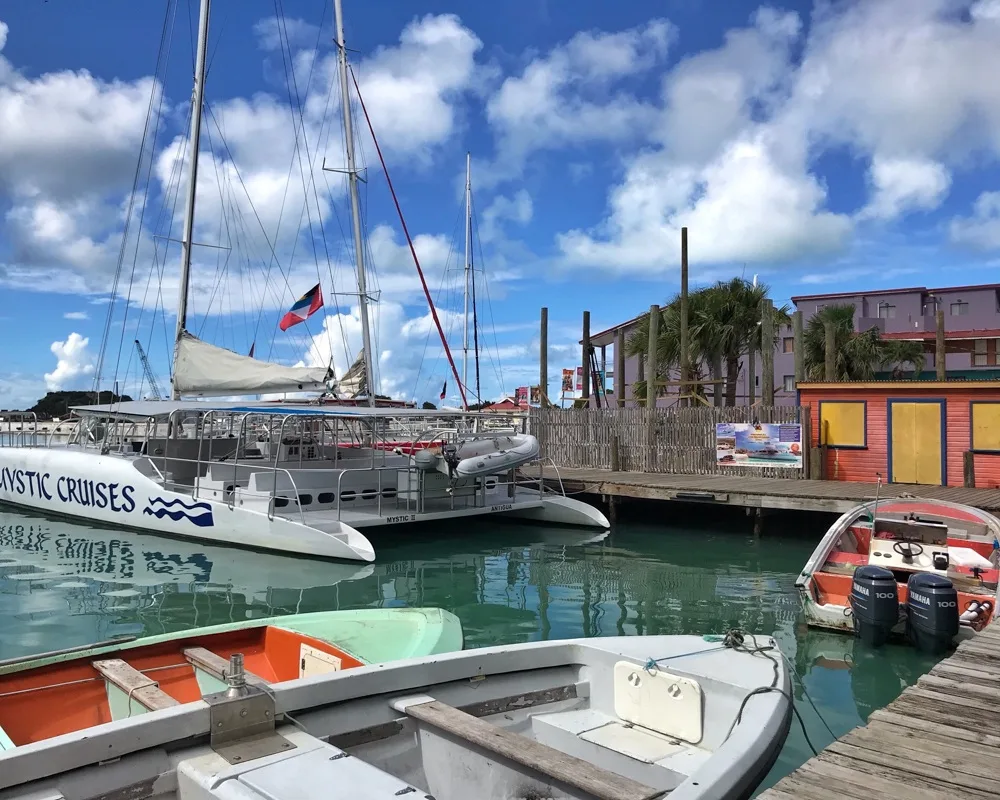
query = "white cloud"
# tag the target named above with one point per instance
(572, 95)
(74, 362)
(518, 209)
(76, 315)
(293, 32)
(982, 230)
(900, 185)
(413, 91)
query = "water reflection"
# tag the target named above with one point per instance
(64, 584)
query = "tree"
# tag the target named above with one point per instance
(56, 404)
(723, 325)
(429, 406)
(858, 355)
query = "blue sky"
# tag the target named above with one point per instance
(823, 147)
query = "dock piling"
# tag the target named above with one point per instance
(586, 357)
(543, 357)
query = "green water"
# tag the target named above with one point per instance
(63, 585)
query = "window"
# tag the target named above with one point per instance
(979, 353)
(886, 311)
(931, 307)
(985, 427)
(959, 309)
(756, 380)
(984, 353)
(789, 383)
(788, 345)
(843, 424)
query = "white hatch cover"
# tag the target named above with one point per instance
(658, 701)
(316, 662)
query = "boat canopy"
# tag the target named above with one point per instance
(205, 370)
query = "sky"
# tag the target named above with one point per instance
(827, 146)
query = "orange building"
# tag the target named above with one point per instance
(909, 431)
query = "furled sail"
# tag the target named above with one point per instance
(205, 370)
(354, 382)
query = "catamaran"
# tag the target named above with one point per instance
(302, 477)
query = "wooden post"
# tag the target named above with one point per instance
(968, 467)
(620, 367)
(830, 351)
(652, 356)
(767, 352)
(940, 357)
(586, 356)
(684, 387)
(543, 357)
(719, 390)
(798, 344)
(805, 414)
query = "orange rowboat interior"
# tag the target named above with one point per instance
(74, 695)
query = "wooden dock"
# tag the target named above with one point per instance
(749, 491)
(938, 740)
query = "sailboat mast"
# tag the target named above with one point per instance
(352, 178)
(195, 139)
(468, 266)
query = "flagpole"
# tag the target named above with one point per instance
(352, 179)
(187, 237)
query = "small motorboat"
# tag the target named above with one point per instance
(70, 691)
(918, 568)
(623, 718)
(478, 456)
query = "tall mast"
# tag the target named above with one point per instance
(352, 178)
(195, 138)
(468, 266)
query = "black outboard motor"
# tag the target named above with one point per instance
(931, 612)
(875, 604)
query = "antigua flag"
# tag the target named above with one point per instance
(444, 390)
(305, 307)
(252, 347)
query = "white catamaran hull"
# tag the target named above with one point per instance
(109, 490)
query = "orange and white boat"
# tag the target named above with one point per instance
(73, 690)
(924, 569)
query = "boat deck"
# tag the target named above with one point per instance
(750, 491)
(938, 739)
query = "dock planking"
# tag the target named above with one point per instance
(938, 739)
(756, 492)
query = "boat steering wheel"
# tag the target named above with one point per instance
(908, 549)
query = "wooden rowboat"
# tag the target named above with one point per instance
(70, 691)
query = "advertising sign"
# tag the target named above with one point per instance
(758, 444)
(567, 381)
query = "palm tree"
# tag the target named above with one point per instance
(858, 355)
(723, 324)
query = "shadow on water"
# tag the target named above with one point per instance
(665, 569)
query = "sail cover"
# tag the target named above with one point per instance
(354, 382)
(202, 369)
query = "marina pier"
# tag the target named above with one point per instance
(939, 739)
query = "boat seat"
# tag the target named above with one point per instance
(214, 667)
(534, 755)
(123, 678)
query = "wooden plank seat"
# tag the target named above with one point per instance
(215, 665)
(136, 686)
(560, 766)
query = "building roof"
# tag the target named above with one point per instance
(880, 292)
(984, 333)
(507, 404)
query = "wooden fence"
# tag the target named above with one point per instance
(670, 440)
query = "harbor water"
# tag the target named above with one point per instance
(63, 584)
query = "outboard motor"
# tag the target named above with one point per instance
(875, 604)
(931, 612)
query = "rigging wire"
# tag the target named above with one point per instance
(498, 364)
(161, 59)
(413, 252)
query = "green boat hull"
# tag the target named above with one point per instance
(371, 635)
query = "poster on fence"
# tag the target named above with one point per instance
(758, 444)
(567, 381)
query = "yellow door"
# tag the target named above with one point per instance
(916, 438)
